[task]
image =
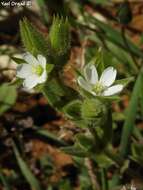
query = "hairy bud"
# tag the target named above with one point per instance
(94, 112)
(59, 36)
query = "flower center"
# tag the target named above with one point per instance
(98, 88)
(38, 70)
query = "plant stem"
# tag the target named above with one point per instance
(104, 180)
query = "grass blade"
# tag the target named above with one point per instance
(116, 37)
(130, 116)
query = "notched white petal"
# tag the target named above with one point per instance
(43, 77)
(113, 90)
(42, 60)
(93, 93)
(29, 58)
(91, 74)
(23, 70)
(84, 84)
(30, 82)
(108, 76)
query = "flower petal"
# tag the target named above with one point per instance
(42, 60)
(108, 76)
(84, 84)
(30, 82)
(43, 77)
(93, 93)
(24, 70)
(113, 90)
(91, 74)
(29, 58)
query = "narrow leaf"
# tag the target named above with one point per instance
(130, 116)
(31, 179)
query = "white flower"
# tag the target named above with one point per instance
(33, 71)
(99, 86)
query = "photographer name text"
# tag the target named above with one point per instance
(17, 4)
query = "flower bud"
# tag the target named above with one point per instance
(124, 14)
(94, 112)
(59, 36)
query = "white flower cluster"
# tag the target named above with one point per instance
(33, 72)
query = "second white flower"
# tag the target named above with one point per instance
(99, 86)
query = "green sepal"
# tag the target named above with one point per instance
(18, 60)
(49, 68)
(93, 112)
(32, 39)
(17, 83)
(125, 81)
(59, 36)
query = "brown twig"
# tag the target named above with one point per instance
(92, 175)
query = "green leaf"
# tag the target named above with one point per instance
(122, 55)
(130, 116)
(31, 179)
(125, 81)
(115, 36)
(7, 97)
(116, 53)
